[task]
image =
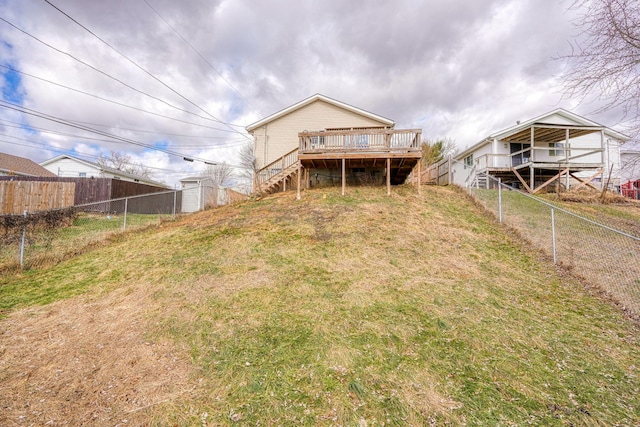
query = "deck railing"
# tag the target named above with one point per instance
(276, 167)
(538, 155)
(360, 140)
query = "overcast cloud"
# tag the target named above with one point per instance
(459, 69)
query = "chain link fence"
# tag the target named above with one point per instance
(604, 256)
(38, 239)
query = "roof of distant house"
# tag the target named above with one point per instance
(108, 169)
(15, 165)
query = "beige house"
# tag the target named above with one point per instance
(277, 134)
(330, 141)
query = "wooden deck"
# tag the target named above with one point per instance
(397, 150)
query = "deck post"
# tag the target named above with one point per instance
(298, 190)
(388, 176)
(419, 176)
(532, 179)
(344, 178)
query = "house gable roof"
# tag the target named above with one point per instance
(104, 169)
(314, 98)
(22, 166)
(577, 125)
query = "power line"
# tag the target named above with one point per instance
(29, 111)
(77, 153)
(110, 100)
(59, 120)
(112, 77)
(134, 63)
(197, 52)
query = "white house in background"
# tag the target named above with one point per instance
(630, 161)
(71, 167)
(559, 147)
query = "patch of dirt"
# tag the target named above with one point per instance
(86, 362)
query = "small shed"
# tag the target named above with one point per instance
(198, 192)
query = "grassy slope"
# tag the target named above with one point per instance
(363, 310)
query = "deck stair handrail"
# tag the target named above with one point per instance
(273, 173)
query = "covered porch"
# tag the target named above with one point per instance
(544, 154)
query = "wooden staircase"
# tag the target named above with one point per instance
(274, 176)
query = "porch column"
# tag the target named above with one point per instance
(532, 143)
(566, 145)
(344, 178)
(602, 147)
(388, 176)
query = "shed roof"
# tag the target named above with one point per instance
(314, 98)
(22, 166)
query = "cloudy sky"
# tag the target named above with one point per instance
(171, 79)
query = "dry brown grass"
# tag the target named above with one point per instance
(86, 361)
(358, 310)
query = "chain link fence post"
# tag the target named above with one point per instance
(500, 200)
(553, 235)
(22, 240)
(124, 220)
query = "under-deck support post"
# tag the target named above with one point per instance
(388, 176)
(344, 178)
(419, 177)
(532, 179)
(299, 177)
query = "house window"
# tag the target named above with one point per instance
(557, 149)
(468, 161)
(317, 142)
(82, 174)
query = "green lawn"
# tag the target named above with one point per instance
(356, 310)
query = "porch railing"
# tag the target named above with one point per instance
(567, 155)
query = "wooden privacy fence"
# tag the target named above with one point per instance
(19, 196)
(438, 173)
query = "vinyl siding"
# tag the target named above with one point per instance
(282, 133)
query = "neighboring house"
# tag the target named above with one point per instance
(19, 166)
(630, 171)
(66, 166)
(560, 148)
(330, 141)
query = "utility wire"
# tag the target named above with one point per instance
(59, 120)
(109, 100)
(134, 63)
(198, 53)
(47, 147)
(111, 77)
(19, 125)
(29, 111)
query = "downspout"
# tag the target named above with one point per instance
(265, 152)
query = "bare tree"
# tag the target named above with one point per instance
(221, 175)
(249, 165)
(122, 162)
(606, 62)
